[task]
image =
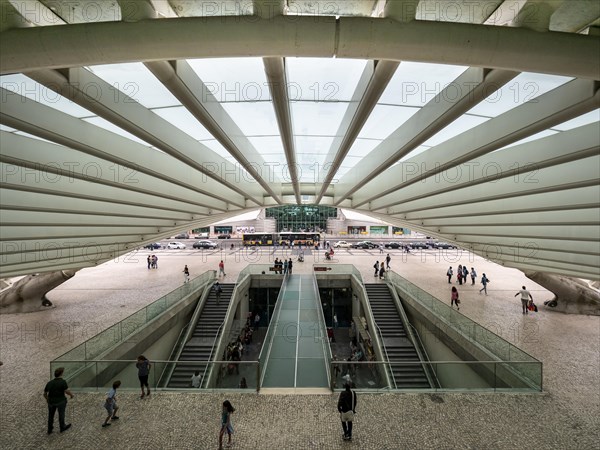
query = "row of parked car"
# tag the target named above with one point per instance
(180, 245)
(394, 245)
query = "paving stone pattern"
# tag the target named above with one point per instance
(565, 416)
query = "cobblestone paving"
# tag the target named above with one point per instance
(566, 416)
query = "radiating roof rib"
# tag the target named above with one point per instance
(474, 86)
(181, 80)
(519, 164)
(45, 122)
(143, 123)
(382, 74)
(563, 103)
(278, 86)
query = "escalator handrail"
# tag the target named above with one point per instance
(324, 340)
(416, 333)
(379, 334)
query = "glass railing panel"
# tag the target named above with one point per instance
(498, 346)
(108, 338)
(134, 322)
(361, 375)
(100, 343)
(236, 375)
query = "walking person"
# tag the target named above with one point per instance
(218, 290)
(347, 408)
(484, 280)
(465, 274)
(54, 393)
(525, 298)
(454, 298)
(449, 274)
(473, 276)
(382, 270)
(376, 267)
(143, 366)
(388, 258)
(459, 274)
(381, 249)
(256, 321)
(226, 425)
(290, 263)
(186, 274)
(285, 267)
(111, 404)
(222, 269)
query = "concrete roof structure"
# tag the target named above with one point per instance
(126, 121)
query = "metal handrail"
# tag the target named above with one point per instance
(416, 333)
(379, 334)
(176, 348)
(326, 348)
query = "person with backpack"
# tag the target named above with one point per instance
(473, 276)
(484, 280)
(347, 408)
(376, 267)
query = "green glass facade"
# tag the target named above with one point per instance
(307, 218)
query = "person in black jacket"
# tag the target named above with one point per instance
(347, 408)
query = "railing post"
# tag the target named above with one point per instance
(258, 377)
(495, 379)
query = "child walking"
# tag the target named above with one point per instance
(226, 425)
(111, 404)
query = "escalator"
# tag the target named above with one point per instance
(398, 346)
(200, 345)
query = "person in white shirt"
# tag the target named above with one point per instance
(525, 298)
(196, 379)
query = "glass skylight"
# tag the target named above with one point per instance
(323, 80)
(26, 87)
(267, 144)
(416, 84)
(233, 79)
(460, 125)
(585, 119)
(137, 82)
(384, 120)
(185, 121)
(523, 88)
(362, 147)
(322, 119)
(254, 119)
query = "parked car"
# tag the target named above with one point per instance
(205, 244)
(176, 245)
(365, 245)
(182, 236)
(394, 245)
(342, 244)
(421, 245)
(224, 236)
(443, 245)
(153, 246)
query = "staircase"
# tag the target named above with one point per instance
(200, 345)
(397, 344)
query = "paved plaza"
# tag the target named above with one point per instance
(565, 416)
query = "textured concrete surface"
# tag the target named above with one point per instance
(566, 416)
